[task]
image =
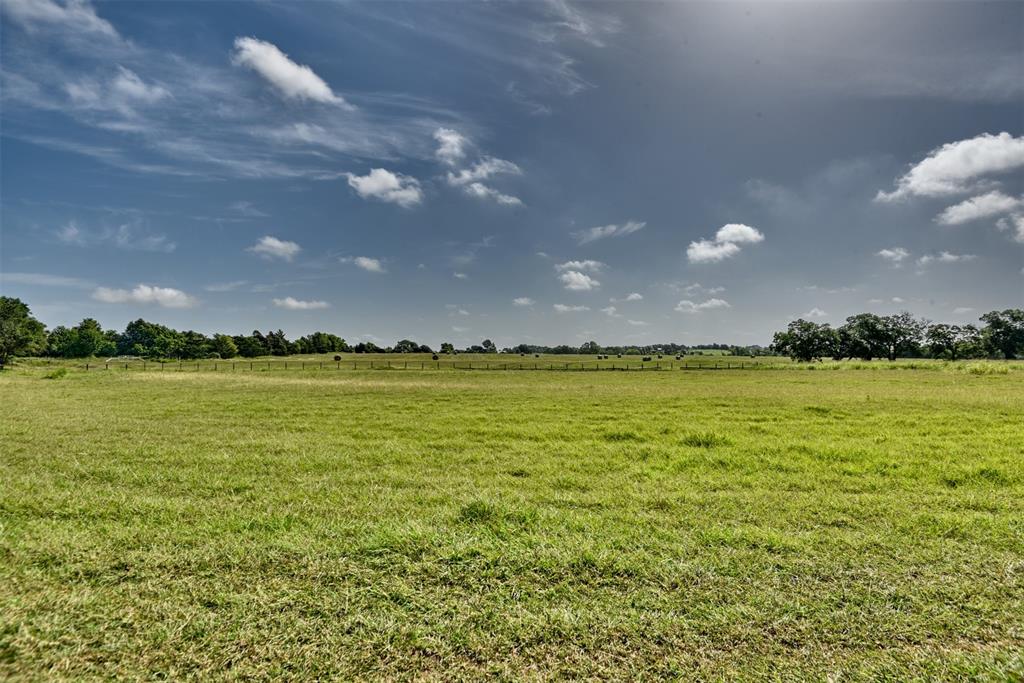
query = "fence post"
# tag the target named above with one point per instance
(125, 366)
(86, 367)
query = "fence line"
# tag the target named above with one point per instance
(549, 365)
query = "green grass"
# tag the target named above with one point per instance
(448, 525)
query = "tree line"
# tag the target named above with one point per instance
(866, 336)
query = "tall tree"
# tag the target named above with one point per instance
(20, 333)
(1004, 332)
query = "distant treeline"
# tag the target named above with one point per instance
(26, 336)
(867, 336)
(864, 336)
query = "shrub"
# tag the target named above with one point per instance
(56, 374)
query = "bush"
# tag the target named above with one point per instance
(56, 374)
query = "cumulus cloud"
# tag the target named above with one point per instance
(294, 81)
(578, 282)
(985, 205)
(293, 304)
(815, 313)
(944, 257)
(611, 312)
(386, 186)
(460, 276)
(587, 265)
(271, 247)
(637, 323)
(706, 251)
(73, 15)
(603, 231)
(738, 233)
(958, 167)
(634, 296)
(145, 294)
(481, 191)
(368, 264)
(895, 255)
(687, 306)
(523, 301)
(451, 145)
(562, 308)
(725, 245)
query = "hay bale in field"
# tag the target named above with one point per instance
(647, 359)
(434, 357)
(337, 358)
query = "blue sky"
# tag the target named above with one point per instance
(541, 172)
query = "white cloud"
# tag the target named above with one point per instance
(271, 247)
(75, 15)
(578, 282)
(611, 312)
(697, 288)
(960, 310)
(128, 84)
(637, 323)
(293, 304)
(634, 296)
(45, 280)
(983, 206)
(145, 294)
(562, 308)
(588, 265)
(460, 330)
(460, 276)
(959, 167)
(481, 191)
(944, 257)
(451, 145)
(706, 251)
(738, 233)
(601, 232)
(815, 313)
(895, 255)
(482, 170)
(368, 264)
(523, 301)
(386, 186)
(1014, 223)
(294, 81)
(725, 245)
(898, 300)
(687, 306)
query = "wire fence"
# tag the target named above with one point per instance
(547, 365)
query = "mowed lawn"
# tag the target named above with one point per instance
(740, 525)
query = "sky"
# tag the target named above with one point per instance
(528, 172)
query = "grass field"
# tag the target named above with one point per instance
(848, 525)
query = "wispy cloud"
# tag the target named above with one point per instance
(563, 308)
(894, 255)
(605, 231)
(125, 236)
(45, 280)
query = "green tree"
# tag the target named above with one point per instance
(20, 333)
(447, 347)
(488, 346)
(803, 341)
(1004, 332)
(61, 341)
(224, 346)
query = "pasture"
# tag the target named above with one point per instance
(742, 525)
